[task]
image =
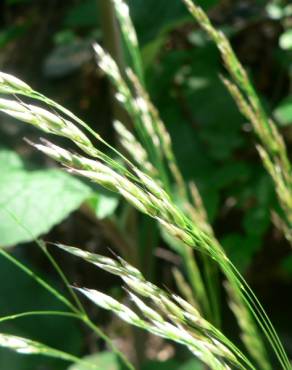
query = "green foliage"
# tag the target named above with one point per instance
(32, 202)
(83, 14)
(191, 365)
(283, 112)
(212, 151)
(159, 365)
(108, 361)
(172, 365)
(11, 33)
(241, 248)
(286, 40)
(30, 296)
(103, 204)
(164, 15)
(101, 361)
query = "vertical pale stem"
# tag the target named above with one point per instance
(113, 44)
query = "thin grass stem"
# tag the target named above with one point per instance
(60, 272)
(39, 280)
(39, 313)
(262, 319)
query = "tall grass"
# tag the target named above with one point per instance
(271, 146)
(146, 179)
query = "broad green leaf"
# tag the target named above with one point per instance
(173, 365)
(10, 161)
(285, 40)
(32, 202)
(103, 361)
(192, 364)
(283, 113)
(161, 365)
(275, 11)
(103, 203)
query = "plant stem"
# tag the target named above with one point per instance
(59, 271)
(111, 33)
(39, 280)
(113, 44)
(107, 340)
(212, 286)
(76, 313)
(258, 313)
(38, 313)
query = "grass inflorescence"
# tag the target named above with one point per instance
(148, 179)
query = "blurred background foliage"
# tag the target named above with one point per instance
(48, 44)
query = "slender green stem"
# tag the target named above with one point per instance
(38, 279)
(63, 277)
(79, 310)
(211, 277)
(107, 340)
(53, 262)
(233, 348)
(252, 303)
(38, 313)
(195, 280)
(76, 313)
(81, 317)
(111, 33)
(260, 316)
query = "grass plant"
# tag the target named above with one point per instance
(148, 179)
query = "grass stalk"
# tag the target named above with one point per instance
(38, 313)
(151, 196)
(39, 280)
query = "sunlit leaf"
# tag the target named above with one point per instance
(103, 361)
(103, 203)
(286, 40)
(283, 112)
(32, 202)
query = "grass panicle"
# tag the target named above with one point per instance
(272, 148)
(171, 218)
(171, 317)
(150, 186)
